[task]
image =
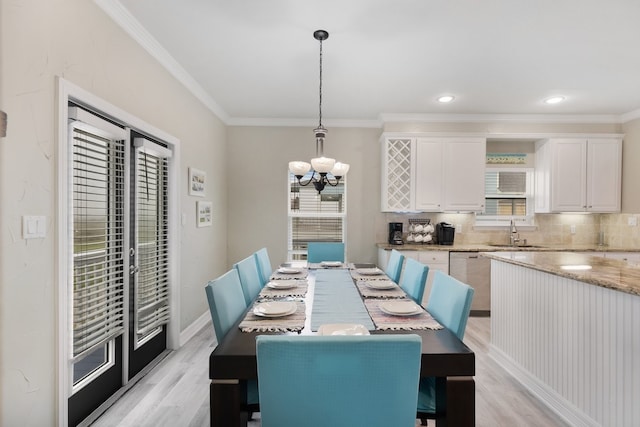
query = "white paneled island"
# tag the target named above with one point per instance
(567, 326)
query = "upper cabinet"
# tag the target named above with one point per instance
(578, 175)
(444, 174)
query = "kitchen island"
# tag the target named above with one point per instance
(567, 326)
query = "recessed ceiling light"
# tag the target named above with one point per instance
(554, 99)
(446, 98)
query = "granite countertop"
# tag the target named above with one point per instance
(486, 247)
(596, 270)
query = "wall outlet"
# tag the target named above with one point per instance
(458, 228)
(573, 229)
(632, 221)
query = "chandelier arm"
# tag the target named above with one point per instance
(312, 178)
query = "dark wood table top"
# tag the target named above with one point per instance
(443, 354)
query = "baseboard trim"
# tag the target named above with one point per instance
(546, 395)
(191, 330)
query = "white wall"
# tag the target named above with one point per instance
(258, 163)
(41, 39)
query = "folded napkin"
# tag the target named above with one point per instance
(384, 321)
(368, 292)
(318, 265)
(299, 290)
(293, 322)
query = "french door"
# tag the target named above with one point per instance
(119, 263)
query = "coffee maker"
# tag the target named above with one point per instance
(395, 233)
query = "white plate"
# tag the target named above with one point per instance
(342, 329)
(288, 270)
(400, 308)
(369, 271)
(285, 284)
(381, 285)
(331, 263)
(275, 308)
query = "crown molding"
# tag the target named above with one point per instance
(132, 26)
(330, 123)
(631, 115)
(493, 118)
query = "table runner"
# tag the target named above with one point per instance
(293, 322)
(336, 300)
(369, 292)
(385, 321)
(299, 291)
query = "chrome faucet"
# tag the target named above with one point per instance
(514, 236)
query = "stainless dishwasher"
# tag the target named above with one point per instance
(474, 270)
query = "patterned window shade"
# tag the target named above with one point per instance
(315, 217)
(98, 232)
(505, 193)
(151, 281)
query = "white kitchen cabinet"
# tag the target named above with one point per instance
(428, 174)
(578, 175)
(397, 174)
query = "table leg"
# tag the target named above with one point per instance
(461, 401)
(455, 401)
(227, 400)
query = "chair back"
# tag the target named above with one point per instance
(414, 279)
(249, 278)
(338, 381)
(226, 302)
(394, 266)
(450, 302)
(264, 265)
(325, 251)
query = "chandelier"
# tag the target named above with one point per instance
(325, 169)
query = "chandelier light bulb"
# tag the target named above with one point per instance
(323, 164)
(340, 169)
(299, 168)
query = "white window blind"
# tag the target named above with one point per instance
(151, 281)
(314, 217)
(97, 227)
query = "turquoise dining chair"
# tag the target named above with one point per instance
(414, 279)
(450, 304)
(394, 266)
(264, 265)
(249, 278)
(227, 304)
(338, 381)
(325, 251)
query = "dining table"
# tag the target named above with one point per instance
(322, 297)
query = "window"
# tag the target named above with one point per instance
(508, 195)
(314, 217)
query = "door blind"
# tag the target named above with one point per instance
(98, 237)
(151, 282)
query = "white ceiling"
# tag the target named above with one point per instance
(257, 59)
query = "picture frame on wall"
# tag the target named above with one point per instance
(197, 182)
(204, 214)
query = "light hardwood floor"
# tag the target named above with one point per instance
(176, 392)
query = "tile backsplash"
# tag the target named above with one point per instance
(617, 230)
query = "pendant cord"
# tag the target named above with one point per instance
(320, 105)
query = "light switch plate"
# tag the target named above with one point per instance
(34, 227)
